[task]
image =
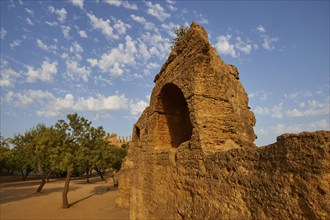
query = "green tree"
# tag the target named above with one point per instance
(6, 156)
(180, 33)
(72, 150)
(44, 143)
(23, 154)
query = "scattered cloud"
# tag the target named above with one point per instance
(28, 97)
(66, 31)
(103, 25)
(28, 20)
(159, 46)
(201, 19)
(136, 108)
(114, 61)
(121, 3)
(54, 23)
(15, 44)
(3, 33)
(243, 46)
(261, 29)
(261, 95)
(310, 108)
(45, 73)
(79, 3)
(121, 26)
(268, 42)
(274, 112)
(82, 34)
(57, 106)
(74, 70)
(76, 48)
(300, 127)
(8, 77)
(146, 25)
(224, 46)
(157, 11)
(45, 47)
(29, 11)
(61, 13)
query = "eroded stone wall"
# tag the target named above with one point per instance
(192, 154)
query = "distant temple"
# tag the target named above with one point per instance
(116, 140)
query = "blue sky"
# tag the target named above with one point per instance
(99, 58)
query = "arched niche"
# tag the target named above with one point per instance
(174, 126)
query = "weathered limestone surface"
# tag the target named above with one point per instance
(192, 155)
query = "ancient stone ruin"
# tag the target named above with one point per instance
(192, 154)
(116, 140)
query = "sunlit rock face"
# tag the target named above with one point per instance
(192, 154)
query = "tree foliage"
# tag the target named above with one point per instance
(71, 146)
(179, 32)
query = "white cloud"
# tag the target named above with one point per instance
(311, 108)
(54, 23)
(74, 69)
(157, 11)
(261, 29)
(201, 18)
(45, 73)
(82, 34)
(296, 128)
(150, 67)
(122, 3)
(69, 103)
(136, 108)
(225, 47)
(170, 2)
(15, 44)
(28, 20)
(144, 52)
(8, 77)
(3, 33)
(121, 27)
(172, 8)
(29, 11)
(103, 25)
(262, 95)
(118, 57)
(146, 25)
(79, 3)
(66, 31)
(92, 62)
(43, 46)
(76, 48)
(268, 42)
(245, 47)
(28, 97)
(159, 46)
(275, 111)
(169, 27)
(61, 13)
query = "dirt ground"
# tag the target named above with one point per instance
(95, 200)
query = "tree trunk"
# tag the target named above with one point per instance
(27, 172)
(43, 178)
(87, 175)
(66, 190)
(100, 173)
(48, 176)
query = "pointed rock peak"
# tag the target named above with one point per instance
(196, 28)
(194, 42)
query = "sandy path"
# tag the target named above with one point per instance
(18, 200)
